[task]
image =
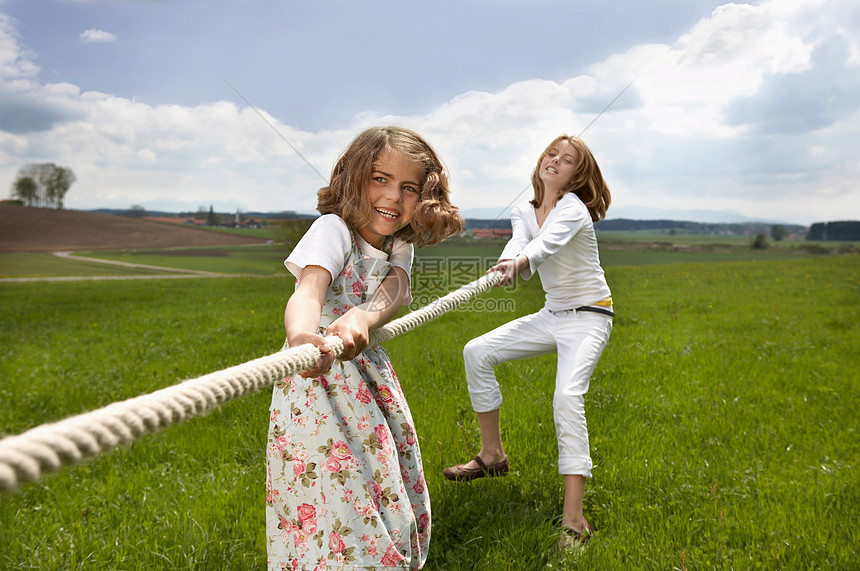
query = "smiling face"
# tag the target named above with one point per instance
(558, 166)
(393, 191)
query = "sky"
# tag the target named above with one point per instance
(695, 110)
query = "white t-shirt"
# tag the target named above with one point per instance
(328, 243)
(563, 251)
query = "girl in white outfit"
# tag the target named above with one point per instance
(553, 234)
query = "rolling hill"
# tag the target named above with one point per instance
(26, 229)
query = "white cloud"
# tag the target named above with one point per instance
(16, 61)
(752, 110)
(96, 36)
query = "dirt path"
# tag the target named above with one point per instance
(72, 256)
(173, 273)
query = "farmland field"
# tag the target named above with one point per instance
(722, 418)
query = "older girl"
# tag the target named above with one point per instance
(553, 234)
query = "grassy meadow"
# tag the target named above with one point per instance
(723, 418)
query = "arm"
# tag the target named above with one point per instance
(519, 236)
(354, 326)
(511, 262)
(302, 316)
(571, 217)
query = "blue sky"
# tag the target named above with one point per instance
(736, 110)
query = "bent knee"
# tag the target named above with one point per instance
(475, 351)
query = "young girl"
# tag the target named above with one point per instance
(553, 234)
(345, 484)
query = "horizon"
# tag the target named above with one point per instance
(469, 214)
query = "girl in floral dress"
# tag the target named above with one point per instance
(345, 484)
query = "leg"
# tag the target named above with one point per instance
(581, 339)
(492, 452)
(524, 337)
(574, 488)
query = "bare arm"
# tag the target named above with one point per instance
(302, 316)
(354, 326)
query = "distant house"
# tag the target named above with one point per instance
(492, 232)
(175, 220)
(250, 223)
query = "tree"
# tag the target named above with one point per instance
(817, 231)
(289, 232)
(25, 188)
(136, 211)
(778, 232)
(59, 183)
(759, 242)
(51, 184)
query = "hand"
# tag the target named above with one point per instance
(510, 269)
(353, 330)
(323, 364)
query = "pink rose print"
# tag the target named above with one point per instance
(299, 468)
(341, 450)
(307, 512)
(381, 434)
(375, 491)
(424, 520)
(309, 527)
(363, 394)
(419, 487)
(385, 393)
(282, 442)
(392, 556)
(332, 465)
(340, 309)
(335, 542)
(357, 288)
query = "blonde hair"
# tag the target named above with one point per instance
(587, 182)
(434, 219)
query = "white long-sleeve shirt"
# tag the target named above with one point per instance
(563, 251)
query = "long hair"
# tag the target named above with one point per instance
(434, 219)
(587, 182)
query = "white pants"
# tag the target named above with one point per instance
(578, 338)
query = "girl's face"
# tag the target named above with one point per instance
(393, 191)
(558, 166)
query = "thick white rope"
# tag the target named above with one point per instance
(49, 447)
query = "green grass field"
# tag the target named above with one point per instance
(723, 421)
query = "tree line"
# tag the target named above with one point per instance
(43, 184)
(843, 230)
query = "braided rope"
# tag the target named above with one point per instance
(49, 447)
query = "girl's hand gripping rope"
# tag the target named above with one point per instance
(325, 361)
(509, 269)
(353, 330)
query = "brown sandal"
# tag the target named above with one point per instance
(460, 473)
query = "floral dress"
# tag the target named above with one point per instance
(345, 486)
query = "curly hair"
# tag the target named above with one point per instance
(587, 182)
(434, 219)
